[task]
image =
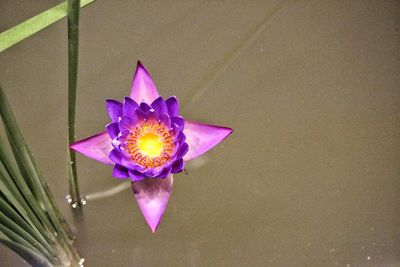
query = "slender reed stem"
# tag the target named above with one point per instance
(73, 53)
(43, 203)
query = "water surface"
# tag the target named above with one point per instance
(311, 175)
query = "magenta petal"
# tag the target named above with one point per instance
(113, 130)
(202, 137)
(152, 116)
(129, 107)
(159, 105)
(165, 119)
(152, 196)
(126, 123)
(120, 172)
(143, 87)
(96, 147)
(114, 109)
(173, 106)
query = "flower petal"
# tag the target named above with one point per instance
(114, 109)
(152, 116)
(164, 173)
(152, 196)
(165, 120)
(113, 130)
(131, 165)
(144, 107)
(159, 105)
(97, 147)
(116, 156)
(182, 151)
(129, 107)
(178, 120)
(143, 87)
(180, 138)
(177, 166)
(126, 123)
(120, 172)
(173, 106)
(135, 175)
(202, 137)
(138, 116)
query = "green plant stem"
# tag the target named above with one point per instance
(28, 254)
(73, 53)
(7, 209)
(6, 221)
(43, 204)
(31, 26)
(22, 241)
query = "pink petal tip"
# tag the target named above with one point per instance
(96, 147)
(143, 87)
(202, 137)
(152, 196)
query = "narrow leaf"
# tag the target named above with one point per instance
(10, 224)
(31, 26)
(31, 173)
(21, 154)
(44, 247)
(16, 238)
(73, 54)
(10, 174)
(27, 254)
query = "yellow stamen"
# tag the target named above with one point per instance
(150, 144)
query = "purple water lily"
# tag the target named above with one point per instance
(147, 141)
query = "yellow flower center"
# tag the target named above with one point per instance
(150, 144)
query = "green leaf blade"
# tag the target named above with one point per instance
(31, 256)
(33, 25)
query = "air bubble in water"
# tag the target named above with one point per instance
(68, 198)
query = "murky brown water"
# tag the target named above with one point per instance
(311, 176)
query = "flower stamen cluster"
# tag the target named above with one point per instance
(150, 144)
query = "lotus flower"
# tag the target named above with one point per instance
(148, 141)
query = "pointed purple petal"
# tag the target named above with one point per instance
(126, 123)
(97, 147)
(113, 129)
(159, 105)
(138, 116)
(144, 107)
(120, 172)
(178, 120)
(135, 175)
(129, 107)
(143, 87)
(164, 173)
(116, 156)
(165, 120)
(182, 151)
(173, 106)
(175, 131)
(177, 166)
(202, 137)
(152, 116)
(152, 196)
(114, 109)
(130, 164)
(181, 138)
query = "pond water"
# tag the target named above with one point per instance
(311, 175)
